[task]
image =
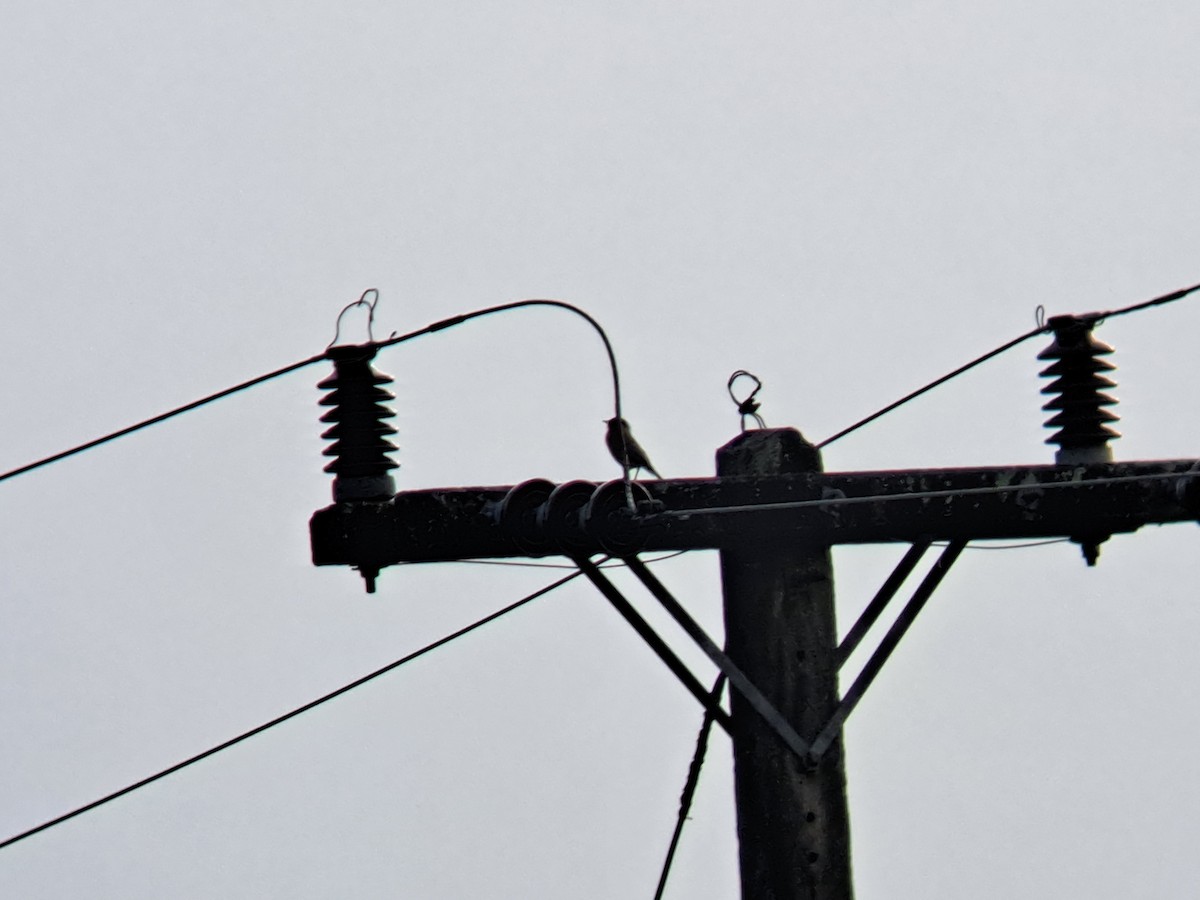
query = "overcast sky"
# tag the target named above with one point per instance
(846, 199)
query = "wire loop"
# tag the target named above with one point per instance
(749, 406)
(361, 301)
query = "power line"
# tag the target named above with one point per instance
(1042, 328)
(519, 304)
(1023, 545)
(617, 564)
(260, 379)
(929, 387)
(1145, 304)
(556, 304)
(450, 322)
(162, 417)
(278, 720)
(690, 785)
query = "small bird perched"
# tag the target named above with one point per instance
(625, 449)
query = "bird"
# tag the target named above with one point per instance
(623, 447)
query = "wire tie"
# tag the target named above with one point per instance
(749, 406)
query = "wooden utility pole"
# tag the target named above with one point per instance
(792, 820)
(773, 515)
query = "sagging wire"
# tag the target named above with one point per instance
(1093, 318)
(1024, 545)
(279, 720)
(616, 564)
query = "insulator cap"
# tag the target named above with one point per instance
(1076, 393)
(359, 433)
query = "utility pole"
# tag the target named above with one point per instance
(773, 514)
(792, 821)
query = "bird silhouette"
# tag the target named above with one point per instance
(625, 449)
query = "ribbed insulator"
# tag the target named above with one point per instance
(1077, 400)
(359, 433)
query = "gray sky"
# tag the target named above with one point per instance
(847, 199)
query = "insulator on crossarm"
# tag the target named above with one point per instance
(361, 465)
(1078, 402)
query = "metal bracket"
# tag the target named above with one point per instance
(879, 603)
(908, 615)
(810, 754)
(737, 678)
(657, 644)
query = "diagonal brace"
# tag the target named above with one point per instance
(882, 598)
(738, 679)
(890, 640)
(710, 702)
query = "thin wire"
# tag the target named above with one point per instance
(518, 304)
(929, 387)
(1021, 546)
(689, 788)
(1145, 304)
(559, 304)
(748, 407)
(278, 720)
(162, 417)
(1041, 329)
(455, 320)
(428, 329)
(616, 564)
(361, 301)
(915, 495)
